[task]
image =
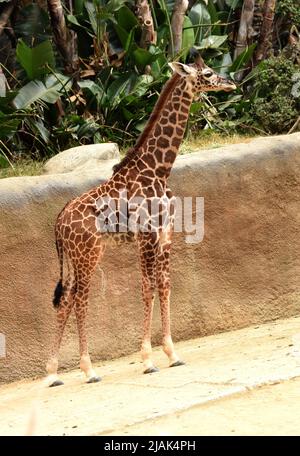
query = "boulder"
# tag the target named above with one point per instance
(78, 158)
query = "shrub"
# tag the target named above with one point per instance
(290, 9)
(274, 106)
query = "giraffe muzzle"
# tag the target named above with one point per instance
(228, 85)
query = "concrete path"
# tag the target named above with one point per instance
(242, 382)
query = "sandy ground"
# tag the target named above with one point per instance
(245, 382)
(269, 410)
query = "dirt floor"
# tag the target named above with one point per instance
(269, 410)
(244, 382)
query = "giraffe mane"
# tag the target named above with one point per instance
(164, 96)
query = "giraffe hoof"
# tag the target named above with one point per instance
(177, 363)
(94, 379)
(151, 370)
(56, 383)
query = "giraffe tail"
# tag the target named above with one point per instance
(58, 292)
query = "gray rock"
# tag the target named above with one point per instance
(80, 157)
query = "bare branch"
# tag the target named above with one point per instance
(295, 126)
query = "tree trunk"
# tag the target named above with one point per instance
(244, 36)
(144, 14)
(5, 15)
(64, 38)
(179, 11)
(264, 42)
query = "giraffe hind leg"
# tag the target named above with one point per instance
(164, 289)
(84, 271)
(63, 311)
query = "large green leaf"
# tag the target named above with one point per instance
(130, 44)
(225, 64)
(126, 19)
(212, 42)
(74, 21)
(95, 89)
(87, 129)
(34, 91)
(118, 89)
(38, 91)
(98, 15)
(34, 60)
(114, 5)
(232, 99)
(78, 6)
(122, 35)
(159, 63)
(134, 100)
(91, 10)
(4, 163)
(59, 81)
(243, 58)
(43, 131)
(216, 29)
(188, 36)
(8, 125)
(143, 57)
(126, 37)
(142, 85)
(200, 17)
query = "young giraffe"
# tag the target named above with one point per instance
(143, 172)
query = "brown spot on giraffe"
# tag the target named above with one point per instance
(168, 131)
(81, 233)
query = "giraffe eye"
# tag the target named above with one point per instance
(207, 73)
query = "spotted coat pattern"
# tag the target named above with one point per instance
(143, 173)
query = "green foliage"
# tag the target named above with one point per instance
(275, 107)
(36, 60)
(188, 36)
(35, 91)
(200, 17)
(289, 8)
(276, 115)
(119, 82)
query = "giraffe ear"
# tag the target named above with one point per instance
(196, 58)
(182, 69)
(199, 61)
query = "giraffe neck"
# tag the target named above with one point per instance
(160, 141)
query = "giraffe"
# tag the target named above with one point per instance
(143, 172)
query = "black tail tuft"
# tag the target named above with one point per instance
(58, 292)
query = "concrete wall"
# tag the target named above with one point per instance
(246, 270)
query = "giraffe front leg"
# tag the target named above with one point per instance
(148, 247)
(146, 350)
(164, 291)
(81, 307)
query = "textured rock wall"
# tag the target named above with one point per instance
(245, 271)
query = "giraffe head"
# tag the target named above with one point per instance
(201, 77)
